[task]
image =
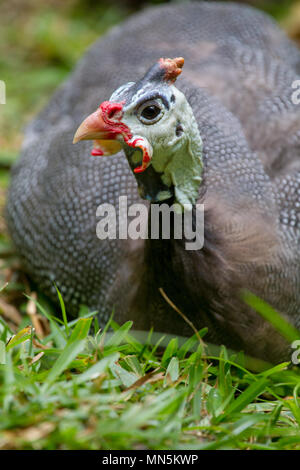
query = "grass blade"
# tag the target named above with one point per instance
(63, 361)
(288, 331)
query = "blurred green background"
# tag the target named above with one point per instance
(41, 41)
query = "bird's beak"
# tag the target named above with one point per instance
(104, 127)
(109, 133)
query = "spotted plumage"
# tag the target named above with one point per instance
(238, 75)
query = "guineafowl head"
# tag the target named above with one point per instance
(155, 125)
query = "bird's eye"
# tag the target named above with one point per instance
(150, 112)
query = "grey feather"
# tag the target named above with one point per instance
(239, 68)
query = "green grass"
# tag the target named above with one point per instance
(74, 389)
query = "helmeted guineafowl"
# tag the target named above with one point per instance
(226, 134)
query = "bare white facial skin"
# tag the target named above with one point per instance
(173, 139)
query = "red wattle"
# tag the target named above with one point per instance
(139, 169)
(97, 152)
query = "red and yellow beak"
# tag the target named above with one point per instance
(104, 126)
(106, 129)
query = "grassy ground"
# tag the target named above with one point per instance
(62, 387)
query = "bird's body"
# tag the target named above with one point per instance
(238, 80)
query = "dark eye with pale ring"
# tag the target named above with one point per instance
(150, 112)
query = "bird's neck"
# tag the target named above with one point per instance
(188, 278)
(180, 164)
(173, 258)
(176, 166)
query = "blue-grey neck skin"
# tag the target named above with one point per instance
(176, 165)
